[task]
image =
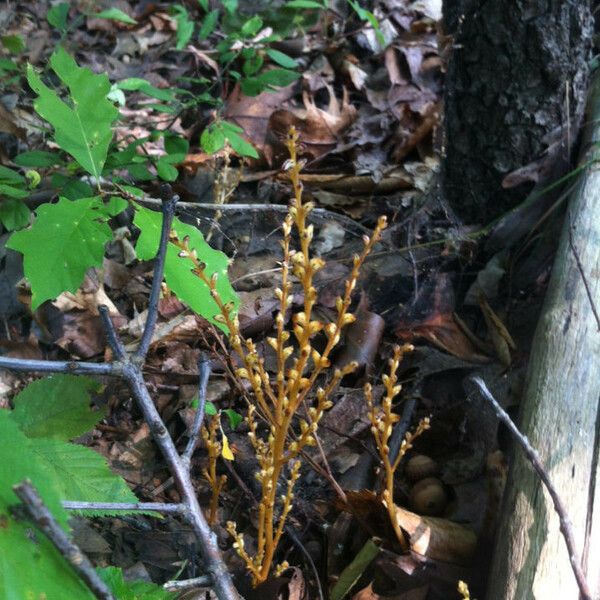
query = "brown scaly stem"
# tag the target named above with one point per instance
(382, 424)
(298, 367)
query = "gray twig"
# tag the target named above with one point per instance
(168, 210)
(43, 518)
(566, 527)
(186, 584)
(111, 335)
(70, 367)
(161, 507)
(204, 374)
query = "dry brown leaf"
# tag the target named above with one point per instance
(429, 537)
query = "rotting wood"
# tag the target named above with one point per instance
(560, 412)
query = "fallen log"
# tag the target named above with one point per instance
(560, 411)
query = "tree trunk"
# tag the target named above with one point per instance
(517, 73)
(560, 413)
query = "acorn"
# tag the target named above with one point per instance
(420, 466)
(428, 497)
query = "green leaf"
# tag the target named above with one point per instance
(9, 176)
(233, 417)
(253, 64)
(132, 590)
(304, 4)
(203, 4)
(278, 77)
(178, 271)
(354, 570)
(30, 566)
(37, 158)
(176, 145)
(83, 129)
(212, 139)
(114, 14)
(237, 142)
(230, 6)
(14, 214)
(208, 24)
(251, 27)
(133, 84)
(12, 192)
(57, 16)
(13, 43)
(65, 240)
(56, 407)
(281, 59)
(82, 474)
(209, 408)
(185, 27)
(165, 170)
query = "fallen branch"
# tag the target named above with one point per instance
(566, 526)
(39, 513)
(129, 368)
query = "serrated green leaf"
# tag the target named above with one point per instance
(14, 214)
(65, 240)
(57, 16)
(82, 474)
(114, 14)
(132, 590)
(208, 24)
(281, 59)
(83, 129)
(56, 407)
(30, 566)
(178, 271)
(37, 158)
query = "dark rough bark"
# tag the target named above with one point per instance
(517, 72)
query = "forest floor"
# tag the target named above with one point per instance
(369, 119)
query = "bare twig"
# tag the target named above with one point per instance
(566, 527)
(204, 374)
(70, 367)
(186, 584)
(161, 507)
(583, 277)
(168, 210)
(111, 335)
(43, 518)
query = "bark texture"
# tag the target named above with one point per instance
(560, 413)
(517, 73)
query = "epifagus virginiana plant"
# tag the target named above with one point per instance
(292, 403)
